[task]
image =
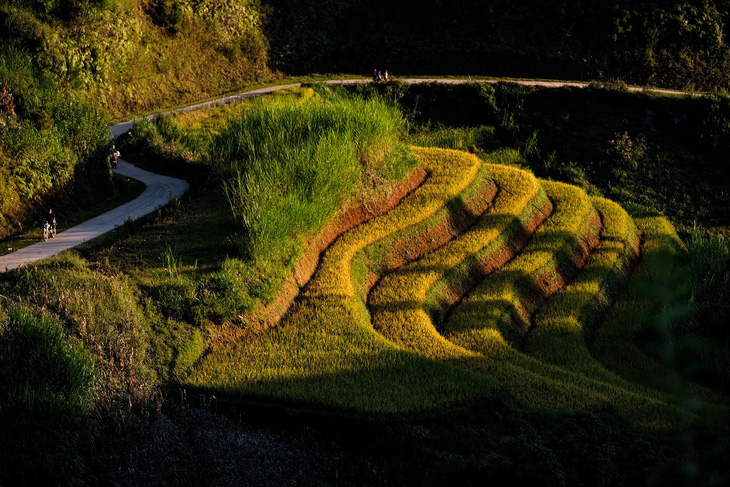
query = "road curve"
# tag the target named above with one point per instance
(160, 189)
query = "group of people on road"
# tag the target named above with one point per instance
(378, 76)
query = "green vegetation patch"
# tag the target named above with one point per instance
(53, 146)
(289, 167)
(46, 400)
(98, 310)
(654, 299)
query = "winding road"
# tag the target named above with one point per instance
(161, 189)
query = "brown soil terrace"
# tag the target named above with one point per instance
(449, 291)
(442, 227)
(551, 278)
(265, 316)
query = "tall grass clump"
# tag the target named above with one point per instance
(46, 397)
(473, 139)
(288, 167)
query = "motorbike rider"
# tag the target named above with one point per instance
(51, 219)
(115, 156)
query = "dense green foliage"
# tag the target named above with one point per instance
(678, 43)
(125, 55)
(52, 147)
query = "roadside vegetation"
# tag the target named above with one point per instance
(53, 147)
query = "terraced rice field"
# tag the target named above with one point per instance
(482, 278)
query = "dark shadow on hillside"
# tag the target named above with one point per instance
(579, 444)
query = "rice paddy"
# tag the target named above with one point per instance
(483, 278)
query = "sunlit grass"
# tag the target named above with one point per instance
(459, 138)
(561, 329)
(289, 166)
(505, 300)
(399, 300)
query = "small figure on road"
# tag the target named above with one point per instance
(51, 220)
(115, 156)
(386, 75)
(375, 75)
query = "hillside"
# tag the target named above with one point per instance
(680, 44)
(378, 283)
(69, 67)
(392, 314)
(133, 56)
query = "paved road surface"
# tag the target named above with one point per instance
(160, 189)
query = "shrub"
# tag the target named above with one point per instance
(45, 402)
(625, 153)
(167, 13)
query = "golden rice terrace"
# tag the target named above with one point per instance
(479, 277)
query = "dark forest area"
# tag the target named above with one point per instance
(679, 44)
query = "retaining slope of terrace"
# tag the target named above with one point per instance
(481, 277)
